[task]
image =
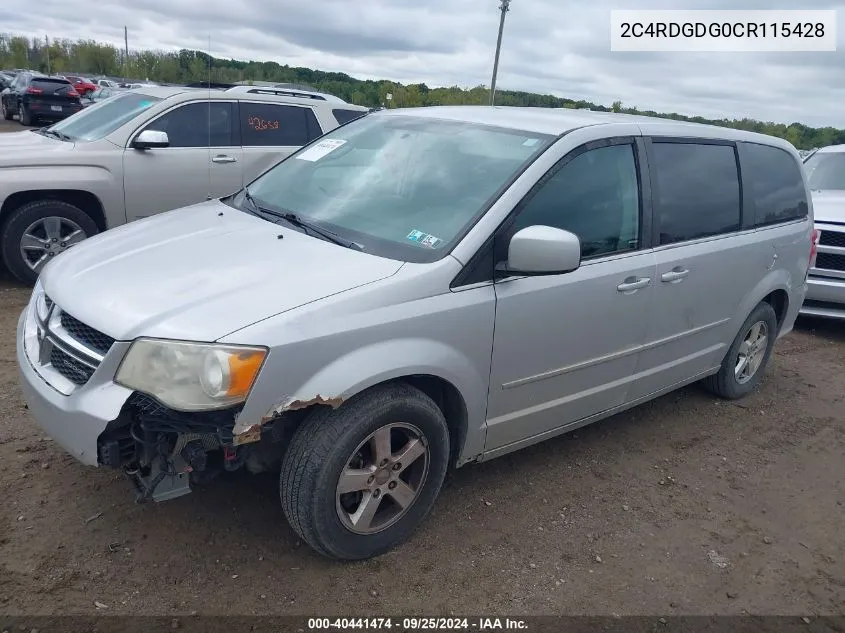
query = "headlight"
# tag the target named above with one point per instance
(40, 301)
(191, 376)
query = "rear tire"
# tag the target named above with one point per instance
(745, 363)
(335, 469)
(20, 221)
(24, 116)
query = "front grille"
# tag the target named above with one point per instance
(832, 238)
(830, 261)
(86, 335)
(75, 371)
(73, 351)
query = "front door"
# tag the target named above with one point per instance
(202, 162)
(566, 346)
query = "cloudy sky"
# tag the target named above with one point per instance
(554, 46)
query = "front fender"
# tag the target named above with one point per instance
(366, 367)
(101, 182)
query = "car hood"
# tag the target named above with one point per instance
(199, 273)
(15, 145)
(829, 206)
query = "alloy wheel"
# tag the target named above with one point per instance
(752, 351)
(383, 478)
(47, 237)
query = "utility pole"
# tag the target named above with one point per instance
(504, 8)
(47, 43)
(125, 51)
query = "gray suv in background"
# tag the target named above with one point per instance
(418, 289)
(142, 152)
(826, 286)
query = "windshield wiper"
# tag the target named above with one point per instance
(293, 218)
(59, 135)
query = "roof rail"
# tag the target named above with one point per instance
(279, 92)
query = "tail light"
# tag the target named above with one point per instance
(73, 93)
(34, 91)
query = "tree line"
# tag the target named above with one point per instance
(89, 57)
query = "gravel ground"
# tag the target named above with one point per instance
(686, 505)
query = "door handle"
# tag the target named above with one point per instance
(632, 284)
(675, 275)
(222, 158)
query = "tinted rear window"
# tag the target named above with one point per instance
(48, 84)
(776, 184)
(697, 190)
(344, 116)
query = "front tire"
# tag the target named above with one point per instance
(357, 481)
(36, 232)
(7, 116)
(745, 363)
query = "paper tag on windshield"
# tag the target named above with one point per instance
(316, 152)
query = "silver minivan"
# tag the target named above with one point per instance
(417, 290)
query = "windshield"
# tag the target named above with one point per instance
(826, 170)
(403, 187)
(103, 118)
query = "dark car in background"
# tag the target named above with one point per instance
(6, 78)
(34, 97)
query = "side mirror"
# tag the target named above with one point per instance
(543, 250)
(150, 139)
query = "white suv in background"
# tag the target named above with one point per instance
(826, 283)
(143, 152)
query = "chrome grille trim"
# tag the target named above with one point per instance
(54, 341)
(830, 257)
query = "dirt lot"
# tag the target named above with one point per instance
(687, 505)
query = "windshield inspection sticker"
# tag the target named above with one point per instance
(531, 142)
(424, 239)
(324, 147)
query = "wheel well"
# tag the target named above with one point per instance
(779, 301)
(445, 395)
(84, 200)
(451, 403)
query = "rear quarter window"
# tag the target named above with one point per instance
(345, 116)
(777, 185)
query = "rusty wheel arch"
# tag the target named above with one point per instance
(286, 417)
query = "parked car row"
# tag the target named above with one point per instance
(137, 153)
(412, 291)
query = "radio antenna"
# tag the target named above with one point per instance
(210, 189)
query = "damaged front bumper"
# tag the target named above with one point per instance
(162, 451)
